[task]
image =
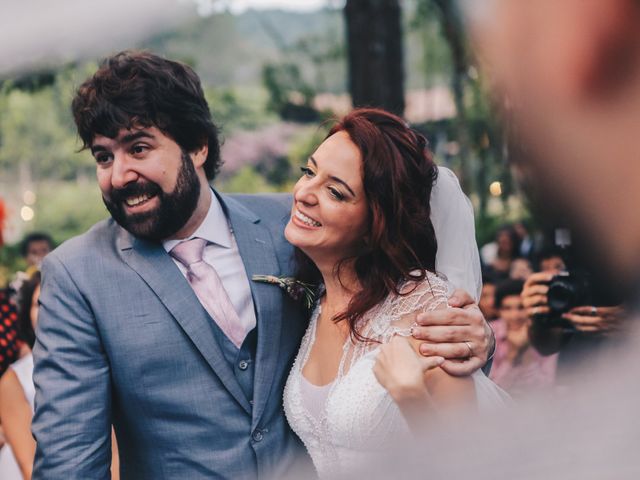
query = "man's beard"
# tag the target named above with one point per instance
(174, 210)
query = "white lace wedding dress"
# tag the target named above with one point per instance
(345, 423)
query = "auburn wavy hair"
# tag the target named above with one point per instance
(398, 176)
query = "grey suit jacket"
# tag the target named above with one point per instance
(122, 339)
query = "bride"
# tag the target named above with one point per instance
(361, 225)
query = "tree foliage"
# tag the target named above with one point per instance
(480, 154)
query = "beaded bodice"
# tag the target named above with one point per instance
(359, 417)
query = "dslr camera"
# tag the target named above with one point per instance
(566, 291)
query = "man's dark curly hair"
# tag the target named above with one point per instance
(140, 89)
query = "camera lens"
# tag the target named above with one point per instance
(561, 296)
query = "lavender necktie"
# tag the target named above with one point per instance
(207, 286)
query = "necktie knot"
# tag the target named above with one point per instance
(189, 251)
(209, 289)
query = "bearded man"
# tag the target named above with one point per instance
(150, 321)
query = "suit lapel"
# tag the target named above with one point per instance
(157, 269)
(258, 255)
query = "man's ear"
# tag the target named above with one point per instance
(605, 49)
(199, 156)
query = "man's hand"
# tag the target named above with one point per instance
(534, 293)
(459, 334)
(597, 320)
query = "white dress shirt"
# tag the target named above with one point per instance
(222, 254)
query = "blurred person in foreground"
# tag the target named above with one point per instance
(517, 366)
(151, 320)
(571, 73)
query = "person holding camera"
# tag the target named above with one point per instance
(566, 316)
(517, 367)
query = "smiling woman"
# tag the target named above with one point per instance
(367, 188)
(361, 221)
(329, 216)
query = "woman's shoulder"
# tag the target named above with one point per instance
(421, 293)
(424, 285)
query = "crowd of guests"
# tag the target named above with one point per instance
(536, 349)
(507, 263)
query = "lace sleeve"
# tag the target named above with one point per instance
(397, 314)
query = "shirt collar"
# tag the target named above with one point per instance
(214, 228)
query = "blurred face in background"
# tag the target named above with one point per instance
(488, 301)
(513, 313)
(552, 264)
(505, 243)
(520, 269)
(36, 251)
(567, 76)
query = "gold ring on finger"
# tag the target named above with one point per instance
(468, 344)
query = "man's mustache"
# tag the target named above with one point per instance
(135, 190)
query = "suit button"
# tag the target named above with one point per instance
(243, 365)
(257, 436)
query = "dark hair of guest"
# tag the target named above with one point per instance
(25, 296)
(507, 288)
(400, 243)
(513, 237)
(140, 89)
(34, 237)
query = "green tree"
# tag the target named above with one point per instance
(37, 136)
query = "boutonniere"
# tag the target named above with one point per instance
(295, 288)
